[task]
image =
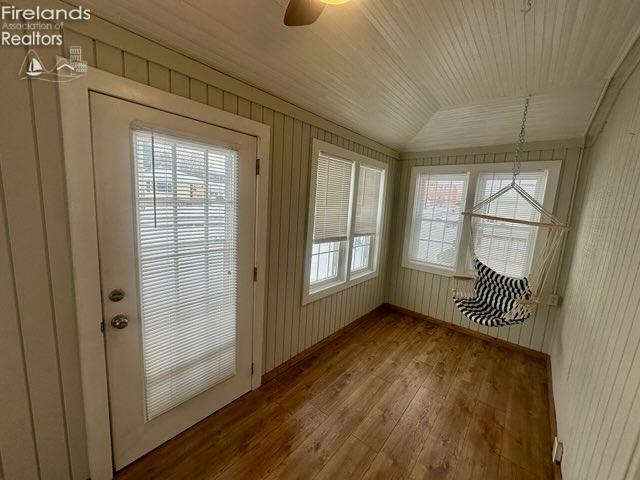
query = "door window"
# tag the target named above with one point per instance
(186, 210)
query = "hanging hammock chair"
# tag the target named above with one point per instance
(491, 298)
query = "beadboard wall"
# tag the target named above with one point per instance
(42, 428)
(430, 293)
(595, 346)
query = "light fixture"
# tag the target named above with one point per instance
(305, 12)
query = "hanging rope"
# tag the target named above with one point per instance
(528, 5)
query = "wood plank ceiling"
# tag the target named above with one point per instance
(412, 74)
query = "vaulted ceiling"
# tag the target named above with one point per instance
(412, 74)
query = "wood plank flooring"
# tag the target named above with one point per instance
(393, 398)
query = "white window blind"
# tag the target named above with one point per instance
(186, 206)
(437, 221)
(334, 180)
(508, 247)
(368, 201)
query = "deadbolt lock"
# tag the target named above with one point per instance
(120, 321)
(116, 295)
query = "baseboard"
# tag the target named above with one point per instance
(467, 331)
(553, 426)
(390, 307)
(297, 358)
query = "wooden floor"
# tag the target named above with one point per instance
(394, 397)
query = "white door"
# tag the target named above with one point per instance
(176, 219)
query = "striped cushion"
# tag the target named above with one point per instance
(495, 296)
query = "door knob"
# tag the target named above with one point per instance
(120, 321)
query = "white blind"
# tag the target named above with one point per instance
(334, 178)
(437, 222)
(368, 201)
(508, 247)
(187, 219)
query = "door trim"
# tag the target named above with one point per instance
(76, 134)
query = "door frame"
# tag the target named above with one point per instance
(78, 163)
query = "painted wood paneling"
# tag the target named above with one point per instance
(51, 165)
(429, 293)
(596, 339)
(44, 435)
(28, 242)
(409, 73)
(18, 450)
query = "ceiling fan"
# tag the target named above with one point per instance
(305, 12)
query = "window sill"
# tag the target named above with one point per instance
(362, 275)
(325, 285)
(434, 269)
(325, 290)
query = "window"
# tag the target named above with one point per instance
(508, 247)
(436, 238)
(324, 261)
(361, 253)
(186, 222)
(345, 210)
(437, 223)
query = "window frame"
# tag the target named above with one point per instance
(346, 277)
(473, 171)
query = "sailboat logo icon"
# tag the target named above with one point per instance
(64, 70)
(35, 68)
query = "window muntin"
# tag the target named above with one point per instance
(437, 223)
(325, 262)
(345, 219)
(361, 253)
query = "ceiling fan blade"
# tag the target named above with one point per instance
(302, 12)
